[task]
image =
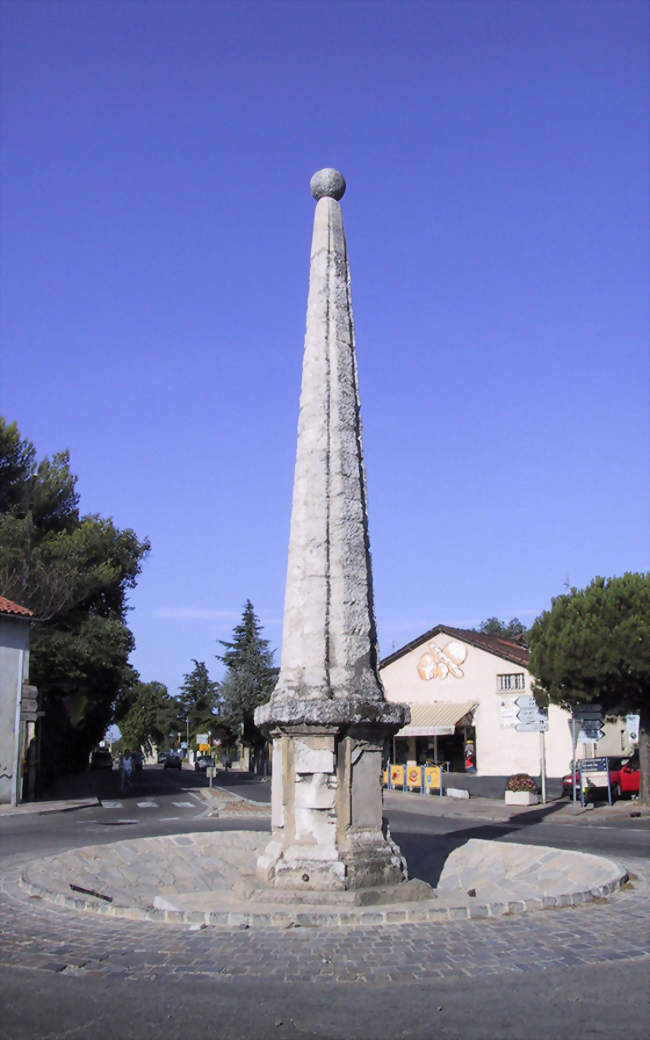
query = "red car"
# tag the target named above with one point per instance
(624, 777)
(628, 780)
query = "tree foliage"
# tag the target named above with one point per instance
(199, 701)
(250, 676)
(74, 572)
(150, 718)
(593, 645)
(514, 630)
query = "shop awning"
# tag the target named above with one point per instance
(436, 718)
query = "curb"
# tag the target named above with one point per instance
(397, 914)
(44, 808)
(208, 794)
(571, 879)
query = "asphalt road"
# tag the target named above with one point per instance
(551, 975)
(170, 802)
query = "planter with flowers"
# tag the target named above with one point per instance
(521, 789)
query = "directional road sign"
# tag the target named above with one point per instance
(585, 711)
(592, 730)
(526, 701)
(532, 727)
(531, 717)
(592, 736)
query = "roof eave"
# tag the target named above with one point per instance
(464, 634)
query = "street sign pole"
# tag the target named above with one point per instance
(574, 738)
(542, 763)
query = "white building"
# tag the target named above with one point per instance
(462, 687)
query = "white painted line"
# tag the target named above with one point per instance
(147, 805)
(168, 819)
(111, 805)
(183, 805)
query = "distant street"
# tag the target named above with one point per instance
(169, 801)
(540, 976)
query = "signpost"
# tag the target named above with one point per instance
(592, 731)
(533, 719)
(589, 718)
(594, 772)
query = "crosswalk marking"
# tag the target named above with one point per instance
(111, 804)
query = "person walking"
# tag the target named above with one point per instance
(126, 771)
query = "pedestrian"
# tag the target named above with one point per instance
(126, 771)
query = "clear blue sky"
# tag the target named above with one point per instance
(156, 223)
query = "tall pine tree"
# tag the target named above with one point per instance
(249, 680)
(198, 699)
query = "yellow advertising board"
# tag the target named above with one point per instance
(432, 777)
(397, 776)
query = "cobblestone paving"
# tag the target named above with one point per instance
(39, 936)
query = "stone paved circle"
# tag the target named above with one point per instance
(195, 878)
(40, 935)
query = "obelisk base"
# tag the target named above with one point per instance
(327, 828)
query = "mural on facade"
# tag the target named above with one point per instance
(439, 662)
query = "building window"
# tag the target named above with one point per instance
(513, 681)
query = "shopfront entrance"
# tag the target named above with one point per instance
(439, 734)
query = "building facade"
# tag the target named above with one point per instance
(14, 671)
(462, 687)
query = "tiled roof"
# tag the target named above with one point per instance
(513, 652)
(7, 607)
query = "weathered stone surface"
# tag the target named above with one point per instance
(299, 711)
(327, 182)
(329, 644)
(327, 713)
(209, 879)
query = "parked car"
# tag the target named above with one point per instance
(628, 780)
(101, 758)
(138, 761)
(162, 755)
(172, 761)
(202, 763)
(624, 777)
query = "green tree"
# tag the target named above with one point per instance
(198, 700)
(150, 718)
(514, 630)
(249, 680)
(74, 573)
(593, 645)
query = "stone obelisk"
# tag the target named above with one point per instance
(327, 714)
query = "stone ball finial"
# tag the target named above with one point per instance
(327, 183)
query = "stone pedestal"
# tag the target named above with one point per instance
(328, 832)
